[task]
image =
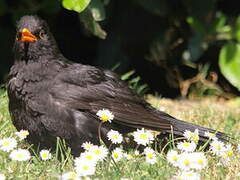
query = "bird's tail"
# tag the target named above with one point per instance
(179, 127)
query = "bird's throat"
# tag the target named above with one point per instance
(26, 56)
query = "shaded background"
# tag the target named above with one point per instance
(153, 37)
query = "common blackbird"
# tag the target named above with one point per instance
(52, 97)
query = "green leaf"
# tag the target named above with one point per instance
(97, 9)
(75, 5)
(218, 24)
(197, 25)
(90, 25)
(229, 62)
(127, 75)
(236, 29)
(157, 7)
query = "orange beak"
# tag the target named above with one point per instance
(27, 36)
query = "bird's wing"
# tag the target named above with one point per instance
(89, 89)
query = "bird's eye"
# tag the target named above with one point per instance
(41, 34)
(18, 36)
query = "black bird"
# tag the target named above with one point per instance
(51, 96)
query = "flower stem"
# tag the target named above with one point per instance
(99, 131)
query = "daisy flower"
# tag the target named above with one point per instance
(87, 145)
(217, 147)
(22, 134)
(228, 153)
(187, 146)
(188, 175)
(115, 137)
(70, 176)
(105, 115)
(136, 153)
(128, 156)
(45, 154)
(150, 155)
(142, 136)
(172, 157)
(86, 156)
(85, 169)
(199, 160)
(8, 144)
(2, 177)
(20, 155)
(210, 135)
(117, 154)
(99, 151)
(185, 161)
(238, 147)
(192, 136)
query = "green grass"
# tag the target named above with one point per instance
(216, 114)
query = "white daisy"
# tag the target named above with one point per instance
(87, 145)
(20, 155)
(136, 152)
(85, 169)
(172, 157)
(117, 154)
(143, 137)
(99, 151)
(105, 115)
(150, 155)
(115, 137)
(185, 161)
(86, 156)
(45, 154)
(128, 156)
(238, 147)
(70, 176)
(22, 134)
(227, 153)
(192, 136)
(199, 160)
(8, 144)
(2, 177)
(210, 135)
(188, 175)
(187, 146)
(217, 147)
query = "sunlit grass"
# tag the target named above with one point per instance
(211, 113)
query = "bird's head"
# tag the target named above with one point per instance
(33, 39)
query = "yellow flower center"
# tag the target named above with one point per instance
(143, 136)
(186, 144)
(115, 155)
(174, 158)
(73, 176)
(195, 138)
(200, 162)
(97, 152)
(186, 162)
(104, 118)
(19, 156)
(218, 147)
(89, 157)
(229, 153)
(45, 155)
(115, 137)
(85, 168)
(6, 143)
(150, 156)
(88, 146)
